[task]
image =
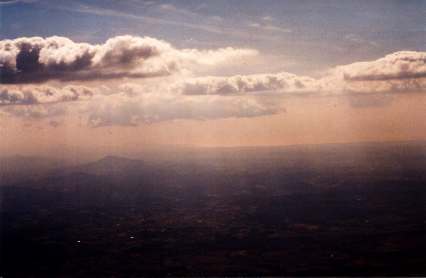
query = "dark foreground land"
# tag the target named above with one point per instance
(356, 209)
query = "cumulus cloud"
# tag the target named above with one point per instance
(280, 82)
(37, 59)
(395, 66)
(399, 72)
(29, 95)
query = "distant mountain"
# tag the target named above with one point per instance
(280, 169)
(20, 168)
(112, 166)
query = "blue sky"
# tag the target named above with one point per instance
(307, 36)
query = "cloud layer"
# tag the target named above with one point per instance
(131, 110)
(179, 92)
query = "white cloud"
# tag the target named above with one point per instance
(239, 84)
(30, 95)
(395, 66)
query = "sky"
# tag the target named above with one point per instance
(122, 76)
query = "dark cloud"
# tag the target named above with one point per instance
(36, 59)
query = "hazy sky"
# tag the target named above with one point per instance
(128, 75)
